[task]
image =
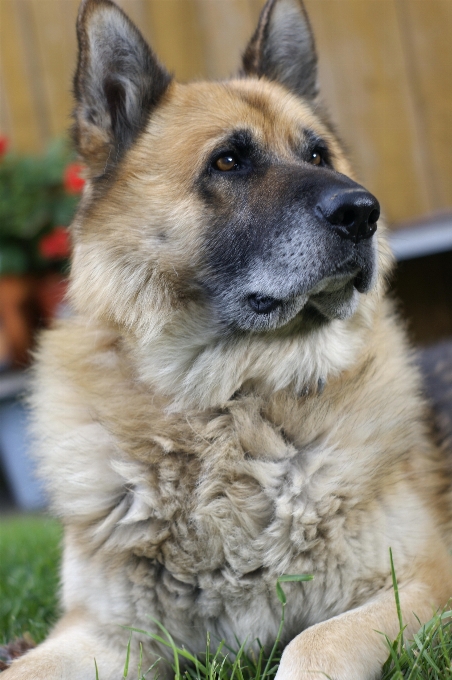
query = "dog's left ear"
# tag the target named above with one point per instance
(118, 82)
(283, 49)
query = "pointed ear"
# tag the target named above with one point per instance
(283, 48)
(117, 84)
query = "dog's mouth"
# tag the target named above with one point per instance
(335, 297)
(315, 277)
(265, 304)
(270, 298)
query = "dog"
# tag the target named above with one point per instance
(233, 398)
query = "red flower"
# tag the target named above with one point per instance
(56, 245)
(73, 181)
(4, 143)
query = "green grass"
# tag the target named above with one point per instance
(221, 663)
(29, 555)
(428, 655)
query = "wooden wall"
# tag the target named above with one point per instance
(386, 72)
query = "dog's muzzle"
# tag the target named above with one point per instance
(313, 248)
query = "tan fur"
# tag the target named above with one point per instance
(191, 469)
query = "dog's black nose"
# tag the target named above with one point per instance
(353, 213)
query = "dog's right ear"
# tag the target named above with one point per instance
(283, 48)
(117, 84)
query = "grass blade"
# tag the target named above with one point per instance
(126, 665)
(284, 578)
(397, 598)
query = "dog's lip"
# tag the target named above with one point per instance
(360, 282)
(334, 282)
(264, 303)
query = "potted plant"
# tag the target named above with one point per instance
(38, 198)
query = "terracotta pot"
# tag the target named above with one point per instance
(50, 292)
(26, 303)
(17, 316)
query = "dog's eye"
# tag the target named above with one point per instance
(226, 163)
(316, 158)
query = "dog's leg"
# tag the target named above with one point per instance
(71, 652)
(352, 646)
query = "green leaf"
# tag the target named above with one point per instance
(280, 593)
(33, 201)
(13, 260)
(289, 578)
(397, 598)
(126, 665)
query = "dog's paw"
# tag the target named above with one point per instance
(325, 651)
(298, 663)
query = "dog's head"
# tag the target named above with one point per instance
(214, 210)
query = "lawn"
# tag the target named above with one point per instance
(29, 557)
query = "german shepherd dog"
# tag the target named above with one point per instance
(233, 398)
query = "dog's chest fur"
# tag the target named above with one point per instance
(198, 514)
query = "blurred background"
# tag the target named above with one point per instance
(386, 77)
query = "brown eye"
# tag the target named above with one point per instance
(226, 163)
(316, 158)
